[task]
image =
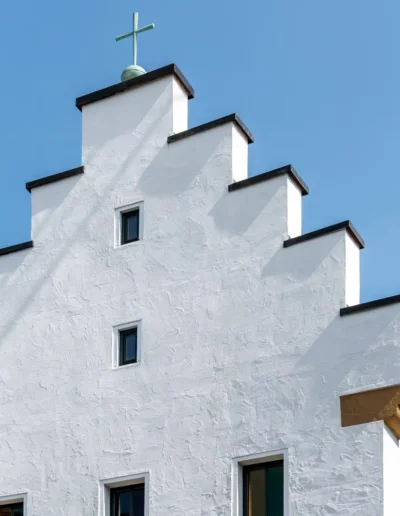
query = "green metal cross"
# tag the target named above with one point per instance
(134, 34)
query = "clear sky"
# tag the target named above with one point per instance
(316, 81)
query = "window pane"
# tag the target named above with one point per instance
(11, 510)
(130, 222)
(275, 490)
(125, 501)
(257, 493)
(263, 489)
(138, 502)
(128, 346)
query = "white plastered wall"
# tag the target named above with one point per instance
(243, 349)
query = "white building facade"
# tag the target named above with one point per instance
(170, 342)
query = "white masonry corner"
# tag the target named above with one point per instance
(180, 107)
(240, 152)
(352, 272)
(294, 208)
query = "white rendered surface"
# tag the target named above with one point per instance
(243, 350)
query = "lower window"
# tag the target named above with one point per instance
(127, 501)
(15, 509)
(263, 489)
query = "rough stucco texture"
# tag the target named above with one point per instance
(243, 349)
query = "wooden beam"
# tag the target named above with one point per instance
(373, 405)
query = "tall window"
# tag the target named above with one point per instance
(15, 509)
(263, 489)
(128, 501)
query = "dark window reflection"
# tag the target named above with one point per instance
(263, 489)
(127, 501)
(130, 226)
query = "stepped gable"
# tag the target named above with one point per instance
(174, 322)
(289, 170)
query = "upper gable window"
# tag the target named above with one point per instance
(130, 226)
(263, 489)
(128, 348)
(15, 509)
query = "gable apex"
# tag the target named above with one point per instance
(120, 87)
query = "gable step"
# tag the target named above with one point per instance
(347, 225)
(15, 248)
(55, 177)
(277, 172)
(133, 83)
(370, 305)
(211, 125)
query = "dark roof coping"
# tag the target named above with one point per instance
(55, 177)
(15, 248)
(211, 125)
(370, 305)
(347, 225)
(137, 81)
(277, 172)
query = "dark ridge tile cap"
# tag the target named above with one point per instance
(287, 169)
(370, 305)
(15, 248)
(347, 225)
(55, 177)
(210, 125)
(137, 81)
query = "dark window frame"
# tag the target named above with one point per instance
(115, 491)
(246, 478)
(13, 506)
(124, 226)
(122, 334)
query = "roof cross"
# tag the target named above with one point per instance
(134, 70)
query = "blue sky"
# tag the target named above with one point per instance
(316, 81)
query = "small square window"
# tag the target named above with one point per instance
(263, 489)
(16, 509)
(128, 501)
(129, 226)
(128, 346)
